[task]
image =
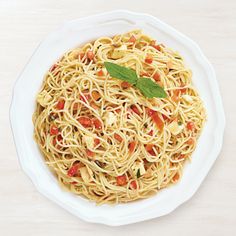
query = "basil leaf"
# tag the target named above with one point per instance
(138, 173)
(121, 72)
(150, 89)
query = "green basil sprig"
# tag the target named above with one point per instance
(146, 86)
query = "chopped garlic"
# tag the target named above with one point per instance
(43, 98)
(138, 166)
(119, 52)
(187, 98)
(110, 118)
(85, 175)
(89, 141)
(175, 128)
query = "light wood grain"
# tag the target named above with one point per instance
(212, 24)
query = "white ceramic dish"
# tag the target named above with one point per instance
(78, 32)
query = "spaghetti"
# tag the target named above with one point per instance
(101, 137)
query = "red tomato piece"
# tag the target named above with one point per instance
(96, 142)
(60, 104)
(132, 146)
(145, 74)
(73, 170)
(85, 97)
(157, 47)
(125, 85)
(54, 130)
(176, 177)
(149, 59)
(85, 121)
(150, 112)
(90, 55)
(118, 137)
(53, 67)
(150, 133)
(100, 73)
(190, 125)
(97, 123)
(96, 95)
(190, 141)
(133, 184)
(158, 121)
(121, 180)
(135, 109)
(132, 39)
(81, 55)
(149, 148)
(89, 153)
(156, 77)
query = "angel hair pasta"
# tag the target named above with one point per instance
(102, 137)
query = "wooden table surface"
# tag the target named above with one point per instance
(211, 23)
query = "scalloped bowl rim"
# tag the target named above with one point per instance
(120, 214)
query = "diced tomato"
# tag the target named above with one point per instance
(117, 110)
(183, 90)
(85, 97)
(54, 130)
(59, 138)
(176, 177)
(96, 95)
(90, 55)
(97, 123)
(100, 73)
(81, 55)
(132, 39)
(150, 112)
(132, 146)
(145, 74)
(96, 142)
(175, 96)
(125, 85)
(135, 109)
(181, 156)
(73, 169)
(165, 117)
(53, 67)
(190, 141)
(121, 180)
(157, 47)
(149, 59)
(89, 153)
(74, 182)
(118, 137)
(150, 132)
(94, 106)
(133, 184)
(156, 77)
(75, 106)
(85, 121)
(149, 148)
(158, 121)
(60, 104)
(153, 44)
(190, 125)
(55, 141)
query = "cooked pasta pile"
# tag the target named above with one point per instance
(101, 136)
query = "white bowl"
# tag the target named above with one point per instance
(76, 33)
